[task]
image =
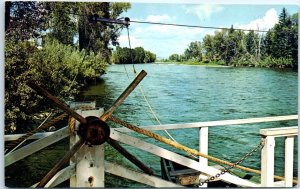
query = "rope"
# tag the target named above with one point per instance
(72, 122)
(141, 89)
(26, 138)
(193, 26)
(29, 134)
(186, 149)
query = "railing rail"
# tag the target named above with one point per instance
(215, 123)
(202, 166)
(267, 155)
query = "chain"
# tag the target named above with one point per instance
(210, 179)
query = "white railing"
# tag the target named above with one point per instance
(118, 134)
(267, 156)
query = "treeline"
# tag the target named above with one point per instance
(139, 55)
(55, 45)
(276, 48)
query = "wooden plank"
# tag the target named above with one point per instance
(61, 176)
(35, 146)
(89, 160)
(78, 104)
(282, 131)
(279, 184)
(35, 136)
(214, 123)
(161, 152)
(184, 172)
(137, 176)
(267, 162)
(203, 148)
(90, 163)
(73, 139)
(289, 160)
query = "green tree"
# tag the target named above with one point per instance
(208, 47)
(139, 54)
(194, 51)
(174, 57)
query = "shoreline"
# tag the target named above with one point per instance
(191, 64)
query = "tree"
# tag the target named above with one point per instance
(25, 20)
(208, 47)
(139, 54)
(97, 36)
(282, 40)
(194, 51)
(63, 24)
(122, 55)
(174, 57)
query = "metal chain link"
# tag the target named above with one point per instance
(210, 179)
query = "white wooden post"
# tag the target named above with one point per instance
(89, 160)
(267, 162)
(289, 157)
(203, 148)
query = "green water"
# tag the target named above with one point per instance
(182, 94)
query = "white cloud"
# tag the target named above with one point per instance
(203, 11)
(158, 18)
(266, 22)
(163, 40)
(123, 40)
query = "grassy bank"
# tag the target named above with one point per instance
(194, 63)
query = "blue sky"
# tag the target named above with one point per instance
(166, 40)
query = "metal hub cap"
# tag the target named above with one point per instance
(95, 132)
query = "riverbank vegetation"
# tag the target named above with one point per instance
(278, 47)
(139, 55)
(55, 45)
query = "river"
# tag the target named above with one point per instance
(183, 94)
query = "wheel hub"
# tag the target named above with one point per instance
(95, 132)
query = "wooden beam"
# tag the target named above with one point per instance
(35, 146)
(203, 148)
(35, 136)
(288, 161)
(124, 95)
(161, 152)
(137, 176)
(89, 160)
(56, 101)
(278, 132)
(61, 176)
(267, 162)
(214, 123)
(60, 163)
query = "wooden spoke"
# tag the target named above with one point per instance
(56, 101)
(129, 156)
(124, 95)
(61, 163)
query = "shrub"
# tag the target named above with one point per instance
(61, 69)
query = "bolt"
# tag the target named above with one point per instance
(91, 180)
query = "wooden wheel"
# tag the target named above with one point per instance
(92, 130)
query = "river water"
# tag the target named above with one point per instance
(183, 94)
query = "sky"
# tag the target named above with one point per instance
(166, 40)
